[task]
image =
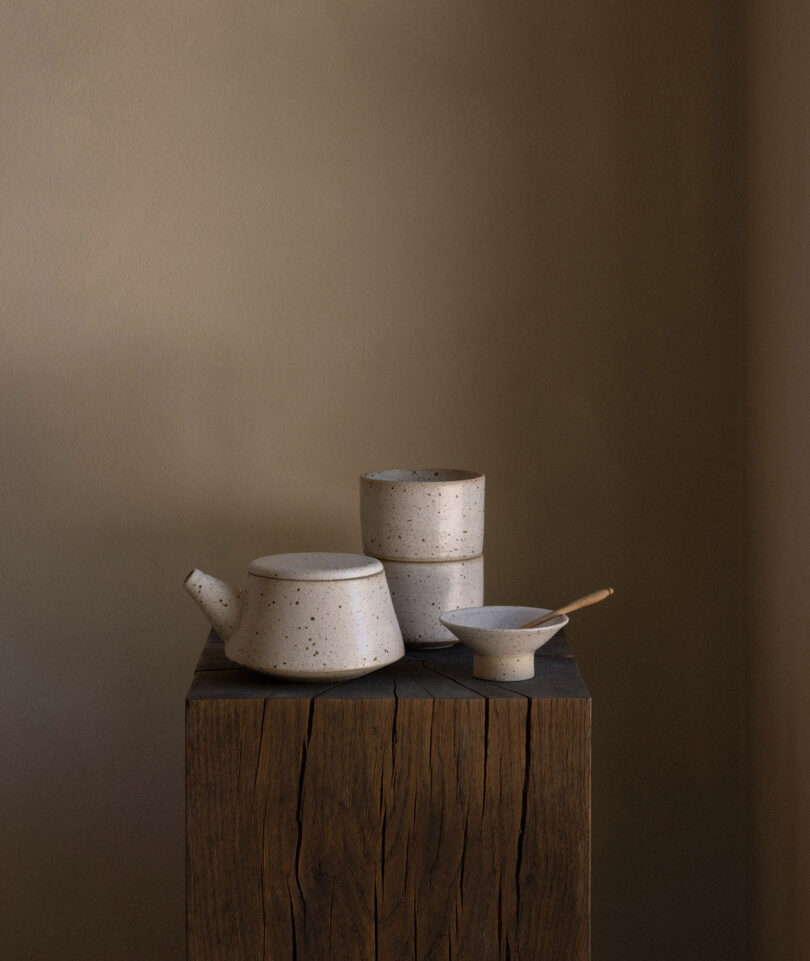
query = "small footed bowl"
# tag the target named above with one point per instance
(501, 650)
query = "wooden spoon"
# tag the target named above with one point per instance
(585, 601)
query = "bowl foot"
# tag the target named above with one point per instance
(515, 667)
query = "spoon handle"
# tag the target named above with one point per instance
(585, 601)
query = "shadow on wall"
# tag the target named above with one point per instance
(100, 643)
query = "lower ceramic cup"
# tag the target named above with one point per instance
(421, 592)
(502, 650)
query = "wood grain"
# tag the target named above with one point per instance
(417, 814)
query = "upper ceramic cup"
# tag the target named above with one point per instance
(432, 514)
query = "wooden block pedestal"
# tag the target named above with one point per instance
(416, 814)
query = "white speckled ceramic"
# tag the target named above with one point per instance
(422, 515)
(421, 592)
(501, 651)
(317, 617)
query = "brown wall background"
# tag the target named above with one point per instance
(778, 260)
(253, 249)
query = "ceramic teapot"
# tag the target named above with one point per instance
(311, 616)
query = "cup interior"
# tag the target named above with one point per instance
(424, 475)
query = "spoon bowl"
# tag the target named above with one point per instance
(503, 650)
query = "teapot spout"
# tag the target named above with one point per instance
(221, 603)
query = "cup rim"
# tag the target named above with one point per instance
(459, 476)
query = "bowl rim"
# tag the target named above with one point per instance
(558, 622)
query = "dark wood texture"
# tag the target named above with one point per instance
(416, 814)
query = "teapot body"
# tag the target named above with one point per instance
(316, 618)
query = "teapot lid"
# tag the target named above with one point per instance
(315, 566)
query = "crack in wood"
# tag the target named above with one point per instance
(259, 752)
(382, 854)
(394, 721)
(441, 833)
(331, 917)
(486, 757)
(376, 928)
(294, 931)
(299, 818)
(408, 859)
(383, 808)
(463, 857)
(449, 677)
(263, 824)
(326, 690)
(430, 739)
(422, 686)
(239, 762)
(524, 804)
(500, 915)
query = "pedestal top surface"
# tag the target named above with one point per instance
(446, 673)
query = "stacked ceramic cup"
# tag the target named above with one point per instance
(427, 528)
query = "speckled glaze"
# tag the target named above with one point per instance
(304, 617)
(422, 515)
(421, 592)
(501, 651)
